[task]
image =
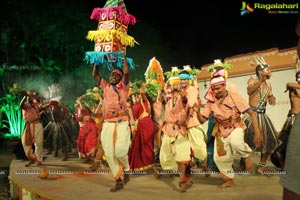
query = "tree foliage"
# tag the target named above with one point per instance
(45, 41)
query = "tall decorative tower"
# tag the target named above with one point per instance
(111, 37)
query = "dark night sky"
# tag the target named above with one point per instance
(198, 34)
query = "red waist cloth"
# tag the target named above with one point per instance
(87, 137)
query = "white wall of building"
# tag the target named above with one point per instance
(277, 113)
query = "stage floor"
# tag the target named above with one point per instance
(69, 180)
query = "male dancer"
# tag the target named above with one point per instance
(115, 134)
(260, 93)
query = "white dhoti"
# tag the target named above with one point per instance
(174, 151)
(37, 133)
(197, 139)
(115, 140)
(234, 143)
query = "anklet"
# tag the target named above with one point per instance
(261, 164)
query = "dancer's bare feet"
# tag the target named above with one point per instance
(264, 171)
(204, 169)
(185, 185)
(30, 163)
(95, 165)
(228, 183)
(117, 186)
(156, 173)
(126, 177)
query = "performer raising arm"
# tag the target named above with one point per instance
(116, 128)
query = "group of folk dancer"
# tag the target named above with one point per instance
(134, 133)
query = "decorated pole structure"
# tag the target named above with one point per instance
(111, 37)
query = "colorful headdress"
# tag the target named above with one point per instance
(259, 63)
(111, 36)
(173, 75)
(185, 75)
(193, 74)
(174, 80)
(174, 72)
(191, 71)
(219, 80)
(154, 78)
(219, 68)
(154, 72)
(117, 71)
(135, 87)
(91, 98)
(214, 81)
